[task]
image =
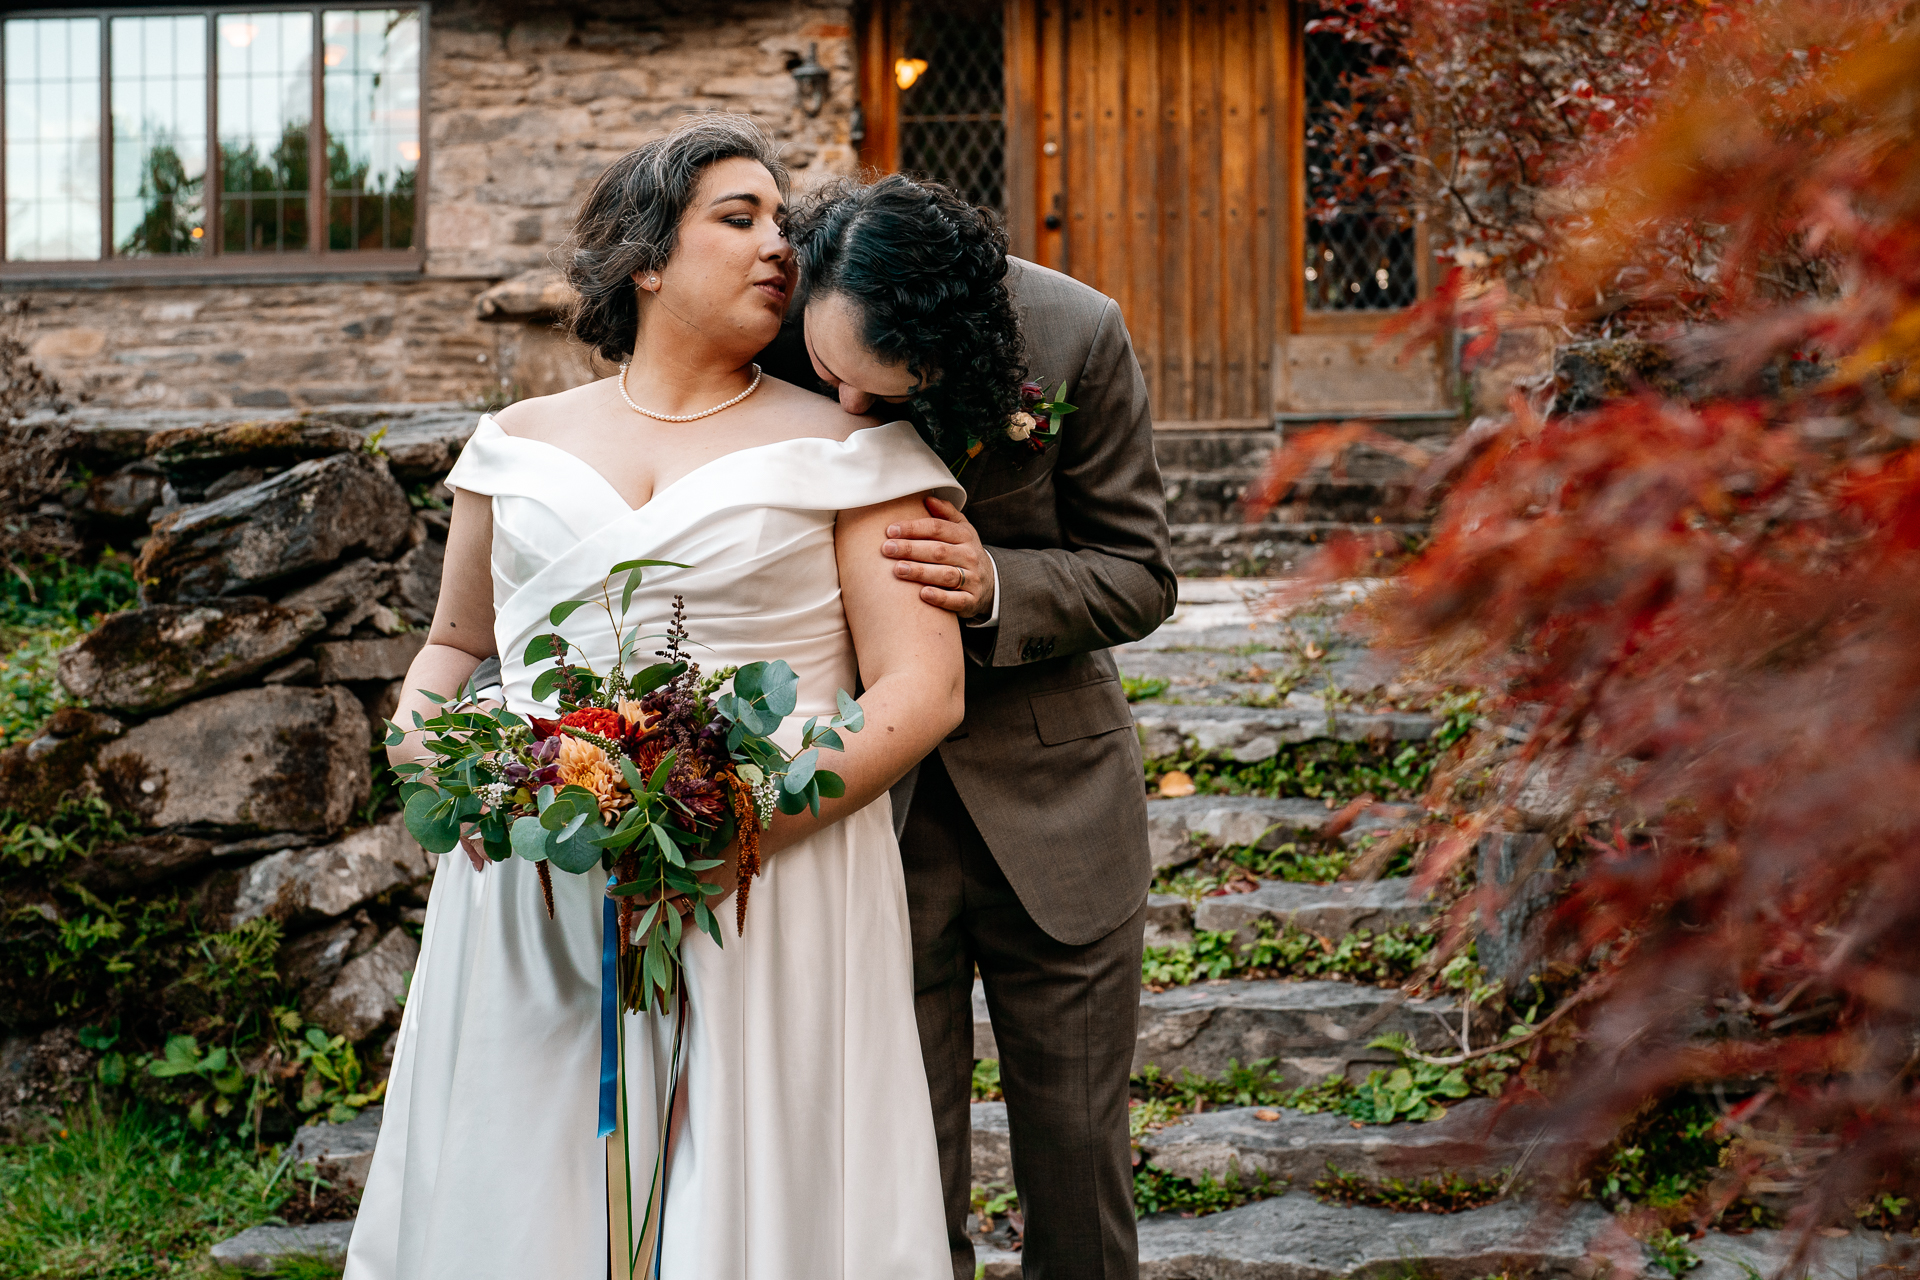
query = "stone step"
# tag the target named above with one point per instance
(1256, 676)
(1214, 450)
(1326, 909)
(1251, 734)
(1181, 829)
(1217, 497)
(1312, 1030)
(1240, 550)
(1473, 1140)
(1295, 1237)
(346, 1150)
(261, 1251)
(992, 1149)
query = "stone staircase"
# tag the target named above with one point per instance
(1207, 473)
(1217, 657)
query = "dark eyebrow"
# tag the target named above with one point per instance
(747, 196)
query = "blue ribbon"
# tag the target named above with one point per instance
(609, 1018)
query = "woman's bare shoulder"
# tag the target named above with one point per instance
(543, 417)
(807, 414)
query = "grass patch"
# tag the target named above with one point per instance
(1142, 688)
(126, 1196)
(1449, 1193)
(56, 604)
(1388, 958)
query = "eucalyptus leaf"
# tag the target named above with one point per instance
(529, 839)
(564, 610)
(435, 834)
(830, 784)
(625, 565)
(800, 772)
(540, 649)
(853, 716)
(545, 683)
(830, 740)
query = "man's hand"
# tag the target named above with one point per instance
(945, 556)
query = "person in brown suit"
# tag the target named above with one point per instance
(1024, 836)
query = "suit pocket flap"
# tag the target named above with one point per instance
(1081, 712)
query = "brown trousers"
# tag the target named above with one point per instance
(1064, 1018)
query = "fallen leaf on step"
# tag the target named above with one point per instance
(1264, 1114)
(1176, 784)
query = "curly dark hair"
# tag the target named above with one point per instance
(630, 221)
(926, 271)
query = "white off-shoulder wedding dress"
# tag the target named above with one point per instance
(807, 1147)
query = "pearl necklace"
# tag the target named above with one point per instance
(685, 417)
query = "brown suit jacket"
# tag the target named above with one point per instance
(1047, 761)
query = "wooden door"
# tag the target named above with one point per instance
(1161, 180)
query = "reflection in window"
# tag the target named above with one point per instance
(53, 138)
(953, 98)
(266, 108)
(372, 78)
(159, 135)
(1361, 250)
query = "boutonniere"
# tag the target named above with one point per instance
(1033, 426)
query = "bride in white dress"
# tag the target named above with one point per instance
(803, 1148)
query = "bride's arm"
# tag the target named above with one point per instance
(462, 631)
(911, 672)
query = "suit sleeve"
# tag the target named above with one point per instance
(1113, 580)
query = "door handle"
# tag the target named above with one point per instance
(1051, 222)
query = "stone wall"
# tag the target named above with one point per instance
(235, 717)
(527, 103)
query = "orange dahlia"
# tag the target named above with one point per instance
(584, 765)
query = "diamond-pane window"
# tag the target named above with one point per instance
(1361, 250)
(953, 97)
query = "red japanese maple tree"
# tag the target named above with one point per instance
(1706, 608)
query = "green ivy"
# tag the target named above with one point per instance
(1327, 770)
(1157, 1191)
(1142, 688)
(1391, 956)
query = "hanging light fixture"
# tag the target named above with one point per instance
(811, 78)
(907, 71)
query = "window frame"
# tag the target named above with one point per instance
(1302, 320)
(316, 260)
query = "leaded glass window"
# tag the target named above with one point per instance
(1361, 251)
(952, 82)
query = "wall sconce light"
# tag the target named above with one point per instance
(811, 78)
(907, 71)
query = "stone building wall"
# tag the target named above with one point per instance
(527, 103)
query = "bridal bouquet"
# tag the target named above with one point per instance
(651, 778)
